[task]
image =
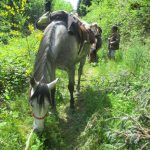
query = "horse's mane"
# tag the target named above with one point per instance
(41, 91)
(42, 56)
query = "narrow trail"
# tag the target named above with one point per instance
(72, 124)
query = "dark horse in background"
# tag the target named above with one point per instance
(97, 44)
(58, 49)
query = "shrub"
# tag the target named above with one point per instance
(61, 5)
(136, 56)
(16, 62)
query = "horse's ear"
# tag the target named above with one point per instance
(52, 84)
(47, 13)
(33, 82)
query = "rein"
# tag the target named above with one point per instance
(39, 118)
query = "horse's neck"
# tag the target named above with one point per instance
(41, 68)
(45, 55)
(41, 72)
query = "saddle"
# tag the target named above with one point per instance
(85, 35)
(75, 27)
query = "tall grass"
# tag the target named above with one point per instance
(110, 91)
(137, 56)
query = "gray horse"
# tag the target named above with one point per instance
(58, 49)
(46, 18)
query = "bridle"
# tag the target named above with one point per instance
(39, 118)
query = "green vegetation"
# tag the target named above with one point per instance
(113, 108)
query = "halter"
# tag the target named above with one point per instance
(39, 118)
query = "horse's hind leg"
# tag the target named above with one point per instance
(80, 70)
(71, 75)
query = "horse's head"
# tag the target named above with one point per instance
(43, 21)
(40, 100)
(97, 31)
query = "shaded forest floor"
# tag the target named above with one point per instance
(102, 97)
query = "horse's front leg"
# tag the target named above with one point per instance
(71, 76)
(80, 70)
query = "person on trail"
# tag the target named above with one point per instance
(113, 42)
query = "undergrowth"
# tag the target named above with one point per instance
(112, 110)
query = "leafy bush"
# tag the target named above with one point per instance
(16, 62)
(61, 5)
(124, 123)
(108, 13)
(136, 56)
(13, 14)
